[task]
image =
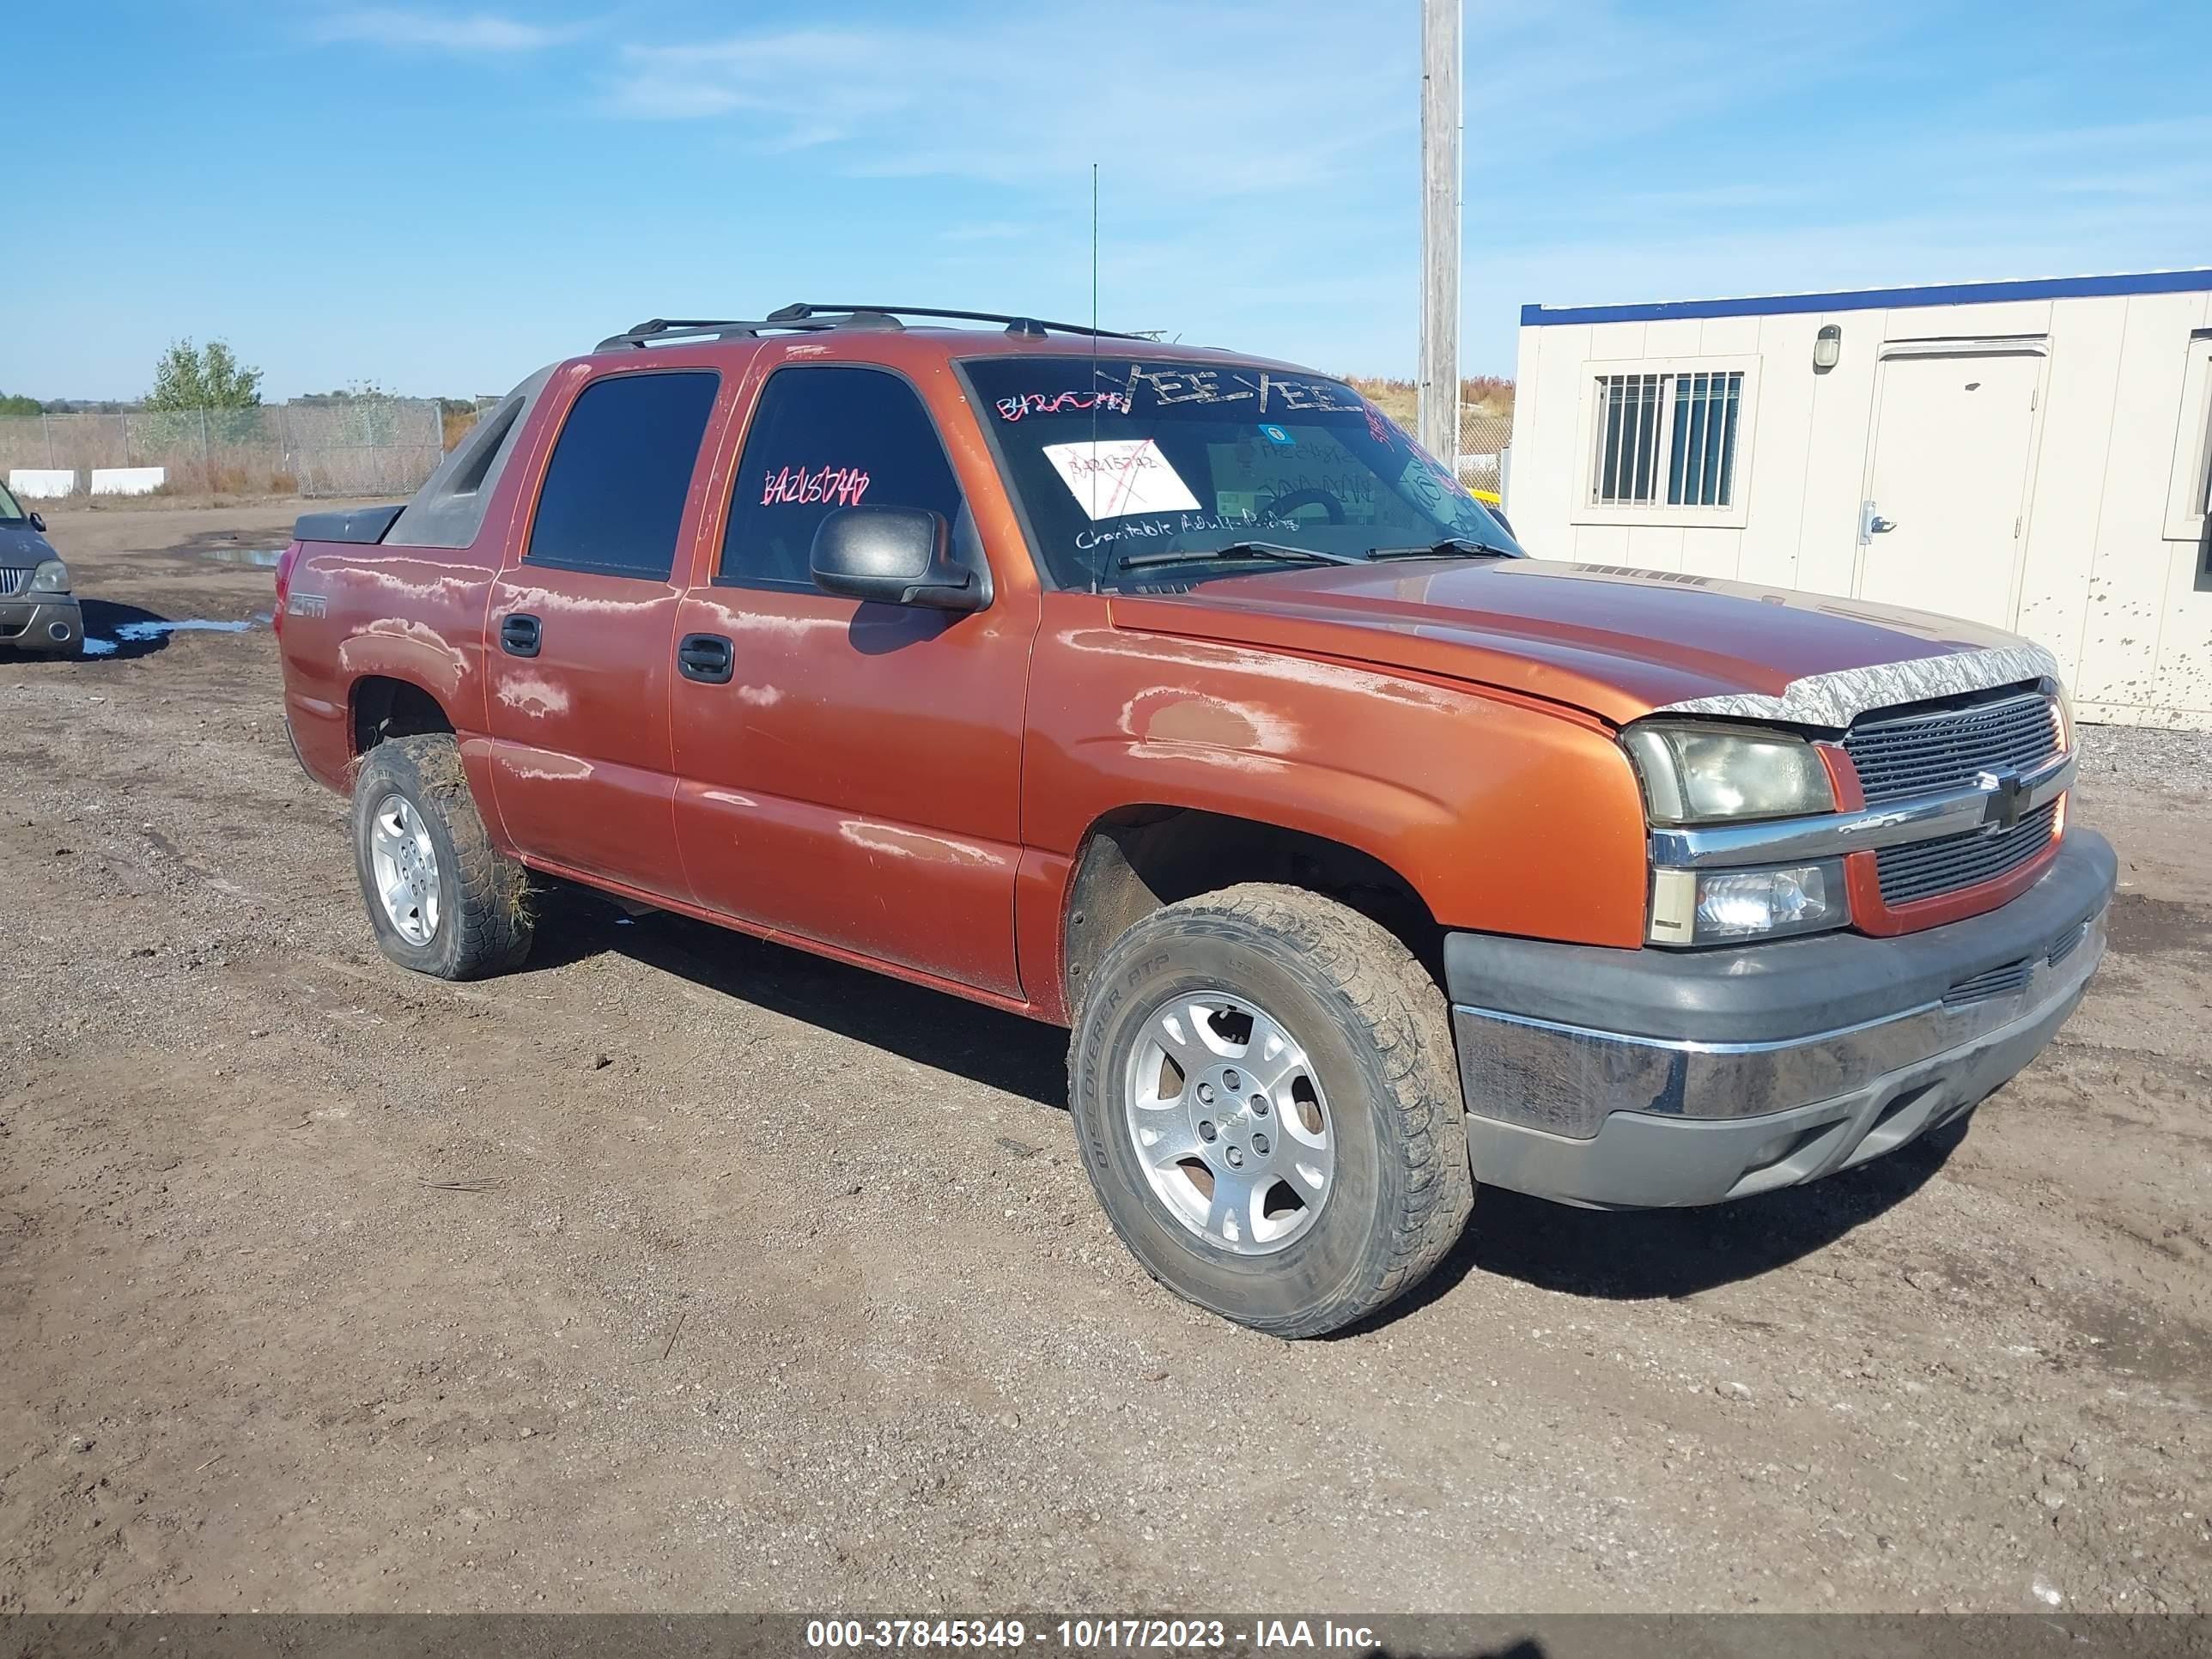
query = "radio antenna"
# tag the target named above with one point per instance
(1094, 361)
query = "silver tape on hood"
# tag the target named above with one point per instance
(1837, 698)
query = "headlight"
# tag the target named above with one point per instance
(1706, 774)
(51, 577)
(1705, 907)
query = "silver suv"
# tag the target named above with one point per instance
(38, 612)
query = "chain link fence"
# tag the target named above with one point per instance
(1483, 440)
(362, 446)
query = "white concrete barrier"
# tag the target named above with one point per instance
(41, 483)
(128, 480)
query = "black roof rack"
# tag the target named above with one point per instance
(1036, 326)
(813, 318)
(661, 331)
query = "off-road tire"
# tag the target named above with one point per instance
(484, 921)
(1376, 1029)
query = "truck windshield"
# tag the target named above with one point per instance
(10, 510)
(1119, 464)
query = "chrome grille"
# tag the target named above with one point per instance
(1934, 751)
(1924, 869)
(13, 582)
(1902, 755)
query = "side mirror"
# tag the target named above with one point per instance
(894, 555)
(39, 522)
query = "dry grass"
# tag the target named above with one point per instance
(1486, 415)
(1485, 395)
(281, 489)
(217, 478)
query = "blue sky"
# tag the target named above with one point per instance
(438, 198)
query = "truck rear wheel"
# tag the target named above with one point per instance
(1267, 1103)
(442, 900)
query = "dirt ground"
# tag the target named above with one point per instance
(682, 1272)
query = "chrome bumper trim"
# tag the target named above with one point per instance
(1924, 818)
(1566, 1079)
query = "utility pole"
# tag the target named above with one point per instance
(1438, 417)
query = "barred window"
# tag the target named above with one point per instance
(1666, 439)
(2203, 508)
(2204, 470)
(2189, 490)
(1627, 438)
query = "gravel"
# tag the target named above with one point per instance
(2148, 757)
(685, 1272)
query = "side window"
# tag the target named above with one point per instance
(612, 501)
(822, 438)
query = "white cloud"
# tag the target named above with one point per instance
(1192, 101)
(1259, 162)
(992, 230)
(1590, 76)
(478, 32)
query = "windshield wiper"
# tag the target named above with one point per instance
(1236, 550)
(1465, 547)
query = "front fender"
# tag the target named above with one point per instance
(1505, 815)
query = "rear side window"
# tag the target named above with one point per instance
(613, 497)
(822, 438)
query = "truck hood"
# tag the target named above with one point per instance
(1619, 643)
(22, 548)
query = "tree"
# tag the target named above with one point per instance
(17, 403)
(361, 391)
(191, 377)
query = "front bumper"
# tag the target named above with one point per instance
(1642, 1078)
(52, 623)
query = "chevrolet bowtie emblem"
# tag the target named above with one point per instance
(2006, 796)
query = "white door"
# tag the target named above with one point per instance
(1948, 488)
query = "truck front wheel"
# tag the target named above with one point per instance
(441, 898)
(1267, 1103)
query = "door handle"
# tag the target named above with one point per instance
(1878, 525)
(707, 658)
(518, 635)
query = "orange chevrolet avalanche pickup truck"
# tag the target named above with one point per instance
(1177, 696)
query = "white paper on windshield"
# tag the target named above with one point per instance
(1115, 477)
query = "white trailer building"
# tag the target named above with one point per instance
(2033, 454)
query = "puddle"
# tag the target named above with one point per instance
(138, 633)
(264, 557)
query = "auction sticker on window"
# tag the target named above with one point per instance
(1115, 477)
